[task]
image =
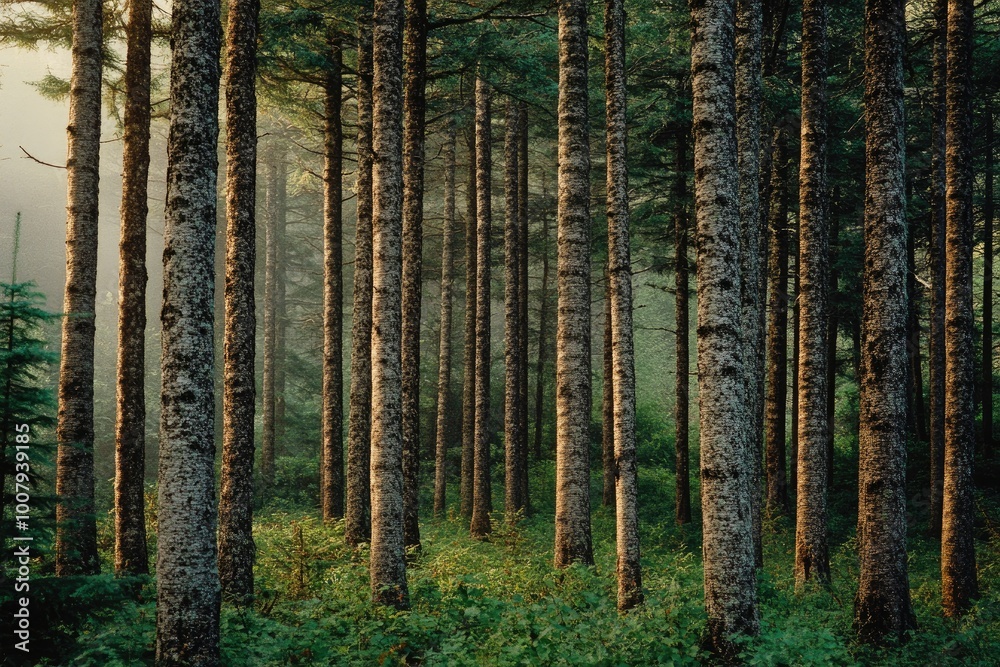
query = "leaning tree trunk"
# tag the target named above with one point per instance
(130, 426)
(608, 404)
(882, 608)
(188, 594)
(749, 28)
(444, 355)
(937, 262)
(522, 297)
(469, 355)
(388, 554)
(812, 559)
(76, 529)
(543, 326)
(573, 541)
(414, 106)
(236, 546)
(269, 388)
(726, 466)
(332, 447)
(482, 502)
(987, 369)
(777, 335)
(682, 334)
(958, 550)
(513, 502)
(620, 314)
(357, 524)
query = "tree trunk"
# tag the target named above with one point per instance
(76, 525)
(482, 503)
(522, 296)
(777, 334)
(332, 448)
(543, 326)
(469, 356)
(726, 466)
(937, 261)
(831, 349)
(794, 372)
(236, 546)
(958, 552)
(188, 592)
(130, 428)
(513, 503)
(388, 554)
(882, 609)
(280, 302)
(573, 400)
(749, 27)
(608, 404)
(270, 385)
(915, 380)
(357, 525)
(444, 354)
(812, 559)
(987, 371)
(682, 335)
(413, 221)
(620, 313)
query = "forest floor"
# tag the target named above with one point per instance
(501, 602)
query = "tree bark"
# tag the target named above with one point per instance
(236, 545)
(915, 379)
(270, 384)
(522, 297)
(332, 448)
(513, 503)
(749, 28)
(608, 404)
(543, 326)
(937, 262)
(76, 525)
(794, 372)
(444, 355)
(682, 334)
(958, 553)
(777, 335)
(882, 609)
(620, 312)
(988, 211)
(414, 105)
(726, 466)
(357, 525)
(469, 356)
(130, 428)
(388, 554)
(812, 559)
(831, 347)
(188, 592)
(482, 503)
(573, 400)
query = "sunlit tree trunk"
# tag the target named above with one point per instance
(726, 468)
(469, 355)
(482, 502)
(388, 555)
(812, 560)
(573, 400)
(236, 546)
(513, 502)
(357, 525)
(187, 574)
(882, 608)
(413, 221)
(130, 426)
(76, 530)
(444, 347)
(682, 333)
(959, 585)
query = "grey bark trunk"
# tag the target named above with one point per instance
(608, 404)
(76, 529)
(522, 298)
(444, 355)
(882, 609)
(413, 221)
(513, 503)
(959, 585)
(469, 355)
(130, 428)
(388, 554)
(270, 384)
(988, 212)
(543, 326)
(236, 545)
(812, 560)
(188, 591)
(482, 503)
(620, 314)
(726, 466)
(682, 334)
(357, 525)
